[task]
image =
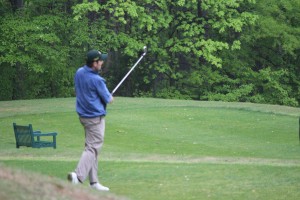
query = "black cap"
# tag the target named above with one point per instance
(95, 55)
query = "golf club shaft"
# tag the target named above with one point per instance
(128, 73)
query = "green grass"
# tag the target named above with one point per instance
(169, 149)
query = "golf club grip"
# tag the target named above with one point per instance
(128, 73)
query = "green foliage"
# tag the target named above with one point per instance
(167, 93)
(6, 87)
(273, 63)
(229, 94)
(270, 82)
(229, 50)
(36, 47)
(81, 9)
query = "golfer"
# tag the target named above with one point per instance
(92, 96)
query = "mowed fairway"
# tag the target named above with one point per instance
(168, 149)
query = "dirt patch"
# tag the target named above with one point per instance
(20, 185)
(202, 159)
(156, 158)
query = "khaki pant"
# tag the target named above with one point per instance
(94, 137)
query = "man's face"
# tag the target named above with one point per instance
(97, 65)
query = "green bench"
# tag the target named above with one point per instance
(25, 136)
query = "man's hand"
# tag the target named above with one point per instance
(111, 100)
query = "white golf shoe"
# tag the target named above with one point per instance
(72, 177)
(99, 187)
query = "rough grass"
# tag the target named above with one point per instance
(19, 184)
(168, 149)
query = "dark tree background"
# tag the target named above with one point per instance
(221, 50)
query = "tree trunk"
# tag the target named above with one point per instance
(16, 4)
(19, 83)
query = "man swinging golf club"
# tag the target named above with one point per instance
(92, 96)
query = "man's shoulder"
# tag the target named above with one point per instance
(80, 70)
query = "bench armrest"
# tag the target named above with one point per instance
(37, 131)
(44, 134)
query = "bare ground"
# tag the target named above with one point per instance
(20, 185)
(173, 159)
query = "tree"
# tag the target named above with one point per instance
(230, 50)
(36, 52)
(267, 61)
(199, 34)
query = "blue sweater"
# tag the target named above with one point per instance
(92, 94)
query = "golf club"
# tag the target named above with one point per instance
(137, 62)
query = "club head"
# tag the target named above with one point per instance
(145, 49)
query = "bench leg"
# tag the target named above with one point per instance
(54, 142)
